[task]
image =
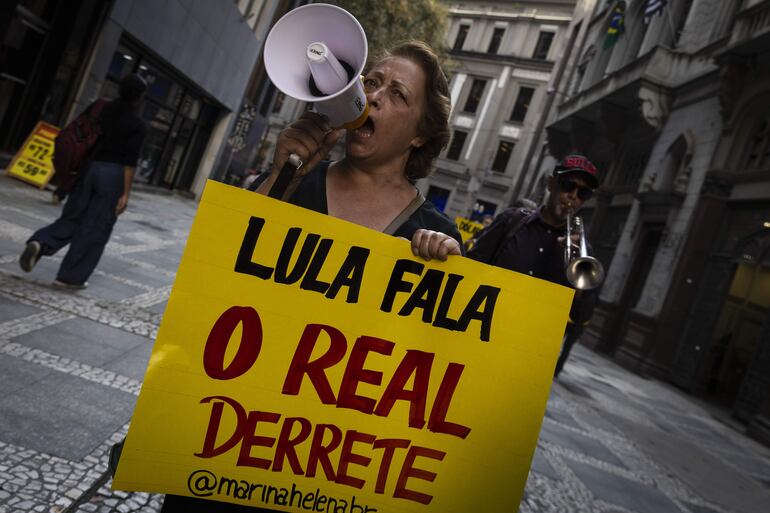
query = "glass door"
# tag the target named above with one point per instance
(23, 31)
(179, 120)
(737, 333)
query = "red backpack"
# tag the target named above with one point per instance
(74, 144)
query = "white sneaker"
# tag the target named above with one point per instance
(71, 286)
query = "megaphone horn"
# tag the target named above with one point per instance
(316, 53)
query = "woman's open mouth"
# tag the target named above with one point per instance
(366, 130)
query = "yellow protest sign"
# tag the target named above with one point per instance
(467, 227)
(305, 363)
(33, 163)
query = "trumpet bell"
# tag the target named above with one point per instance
(585, 273)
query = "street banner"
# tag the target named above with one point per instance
(305, 363)
(33, 163)
(467, 227)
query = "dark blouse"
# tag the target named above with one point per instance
(123, 135)
(533, 249)
(311, 194)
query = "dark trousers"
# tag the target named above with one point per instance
(571, 335)
(85, 223)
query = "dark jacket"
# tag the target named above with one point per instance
(519, 240)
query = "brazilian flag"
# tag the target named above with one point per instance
(617, 25)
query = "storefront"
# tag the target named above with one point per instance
(724, 353)
(57, 56)
(42, 48)
(180, 118)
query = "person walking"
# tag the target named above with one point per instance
(532, 241)
(100, 195)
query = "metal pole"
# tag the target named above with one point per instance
(89, 493)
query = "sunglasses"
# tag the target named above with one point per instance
(584, 193)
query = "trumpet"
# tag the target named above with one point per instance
(583, 271)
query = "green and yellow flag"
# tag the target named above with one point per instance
(617, 25)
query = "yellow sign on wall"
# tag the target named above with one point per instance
(307, 363)
(467, 227)
(33, 163)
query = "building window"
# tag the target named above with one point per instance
(438, 196)
(675, 170)
(267, 99)
(503, 155)
(474, 97)
(759, 147)
(681, 21)
(635, 38)
(497, 37)
(544, 41)
(456, 146)
(462, 33)
(631, 170)
(481, 209)
(580, 72)
(278, 103)
(522, 104)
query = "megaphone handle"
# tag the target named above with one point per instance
(285, 177)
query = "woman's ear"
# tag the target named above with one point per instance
(417, 142)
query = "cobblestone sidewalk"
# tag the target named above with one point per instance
(71, 365)
(613, 442)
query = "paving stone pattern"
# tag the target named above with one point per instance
(71, 365)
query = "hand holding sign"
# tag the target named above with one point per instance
(430, 244)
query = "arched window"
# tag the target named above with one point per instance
(580, 71)
(681, 20)
(598, 65)
(636, 32)
(758, 150)
(676, 166)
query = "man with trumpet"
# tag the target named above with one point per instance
(549, 243)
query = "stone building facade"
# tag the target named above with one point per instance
(676, 114)
(197, 56)
(503, 57)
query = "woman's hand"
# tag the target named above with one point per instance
(310, 138)
(429, 245)
(122, 204)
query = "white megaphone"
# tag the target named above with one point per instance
(316, 53)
